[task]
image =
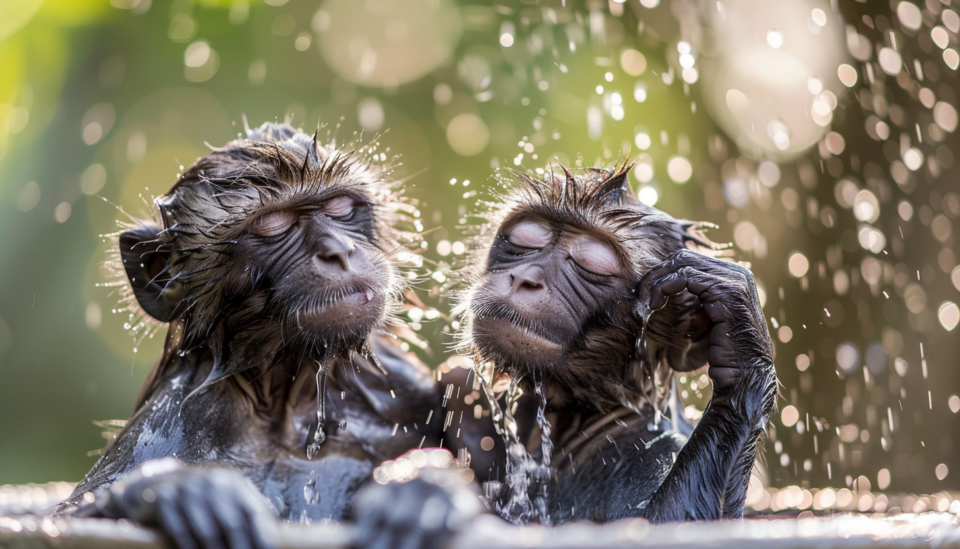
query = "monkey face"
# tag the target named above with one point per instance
(274, 240)
(547, 285)
(552, 290)
(316, 269)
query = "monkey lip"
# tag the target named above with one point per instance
(360, 297)
(354, 305)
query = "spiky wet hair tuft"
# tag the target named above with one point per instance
(598, 199)
(207, 209)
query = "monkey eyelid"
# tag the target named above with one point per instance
(594, 256)
(273, 223)
(530, 234)
(340, 206)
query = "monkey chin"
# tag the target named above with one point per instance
(511, 345)
(342, 323)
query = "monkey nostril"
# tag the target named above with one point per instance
(530, 285)
(340, 259)
(525, 285)
(527, 281)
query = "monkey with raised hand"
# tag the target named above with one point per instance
(275, 262)
(586, 300)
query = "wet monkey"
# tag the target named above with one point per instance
(275, 263)
(587, 300)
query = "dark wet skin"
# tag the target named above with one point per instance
(612, 461)
(255, 306)
(219, 426)
(617, 463)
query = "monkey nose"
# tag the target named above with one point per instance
(528, 280)
(336, 256)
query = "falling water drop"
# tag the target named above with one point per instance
(310, 492)
(319, 437)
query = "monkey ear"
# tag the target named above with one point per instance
(147, 262)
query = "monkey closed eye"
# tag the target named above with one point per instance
(530, 234)
(340, 207)
(595, 256)
(273, 223)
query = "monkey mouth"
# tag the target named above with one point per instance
(343, 311)
(358, 297)
(352, 302)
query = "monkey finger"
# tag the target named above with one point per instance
(667, 286)
(668, 279)
(685, 278)
(650, 294)
(228, 515)
(202, 523)
(717, 311)
(724, 377)
(174, 525)
(410, 537)
(260, 527)
(722, 356)
(244, 516)
(382, 539)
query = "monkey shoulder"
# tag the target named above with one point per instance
(395, 386)
(169, 424)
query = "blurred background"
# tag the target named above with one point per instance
(817, 135)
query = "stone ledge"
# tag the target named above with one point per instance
(902, 531)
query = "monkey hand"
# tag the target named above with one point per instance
(739, 352)
(196, 508)
(424, 512)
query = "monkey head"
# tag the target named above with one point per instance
(552, 290)
(270, 242)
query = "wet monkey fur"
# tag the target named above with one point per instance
(587, 300)
(275, 263)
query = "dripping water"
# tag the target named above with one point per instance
(511, 498)
(310, 492)
(641, 349)
(319, 436)
(372, 357)
(544, 472)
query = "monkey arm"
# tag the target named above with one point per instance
(710, 476)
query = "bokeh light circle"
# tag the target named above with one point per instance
(798, 264)
(759, 92)
(789, 416)
(468, 134)
(679, 169)
(387, 42)
(949, 315)
(848, 357)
